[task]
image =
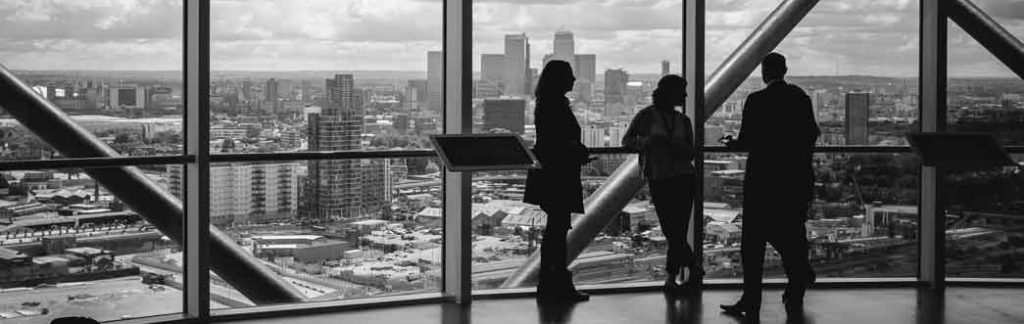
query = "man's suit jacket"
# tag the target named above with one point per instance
(779, 132)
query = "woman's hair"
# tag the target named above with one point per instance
(553, 75)
(668, 84)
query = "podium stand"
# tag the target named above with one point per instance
(952, 152)
(483, 152)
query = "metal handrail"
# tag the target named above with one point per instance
(157, 206)
(623, 184)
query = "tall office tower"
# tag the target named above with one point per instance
(416, 92)
(270, 92)
(246, 88)
(547, 58)
(586, 75)
(333, 186)
(665, 68)
(435, 70)
(517, 64)
(857, 107)
(565, 48)
(615, 86)
(492, 67)
(508, 114)
(245, 192)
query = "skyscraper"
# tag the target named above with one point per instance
(508, 114)
(435, 68)
(333, 186)
(492, 67)
(517, 64)
(615, 86)
(565, 48)
(857, 107)
(270, 92)
(665, 68)
(586, 75)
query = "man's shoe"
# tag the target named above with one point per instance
(741, 308)
(577, 296)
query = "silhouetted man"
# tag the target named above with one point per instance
(779, 132)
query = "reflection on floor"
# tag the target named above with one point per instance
(825, 306)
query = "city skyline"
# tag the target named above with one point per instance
(392, 35)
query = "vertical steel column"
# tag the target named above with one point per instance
(197, 143)
(932, 112)
(458, 119)
(997, 40)
(693, 71)
(622, 184)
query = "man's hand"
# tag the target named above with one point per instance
(729, 142)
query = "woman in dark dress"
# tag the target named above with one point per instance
(556, 186)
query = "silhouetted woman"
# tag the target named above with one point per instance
(556, 186)
(664, 138)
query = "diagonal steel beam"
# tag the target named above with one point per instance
(143, 195)
(996, 39)
(620, 187)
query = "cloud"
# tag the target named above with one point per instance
(851, 36)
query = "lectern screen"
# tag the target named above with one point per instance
(483, 152)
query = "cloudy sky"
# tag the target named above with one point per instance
(873, 37)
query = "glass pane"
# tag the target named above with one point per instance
(858, 96)
(69, 247)
(114, 67)
(324, 75)
(983, 95)
(332, 239)
(506, 231)
(983, 207)
(985, 231)
(618, 51)
(863, 222)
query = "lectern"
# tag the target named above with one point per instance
(482, 152)
(959, 151)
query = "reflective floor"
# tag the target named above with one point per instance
(825, 306)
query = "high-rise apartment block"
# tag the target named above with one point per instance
(665, 68)
(376, 186)
(333, 188)
(857, 113)
(246, 192)
(508, 114)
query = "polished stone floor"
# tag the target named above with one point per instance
(824, 306)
